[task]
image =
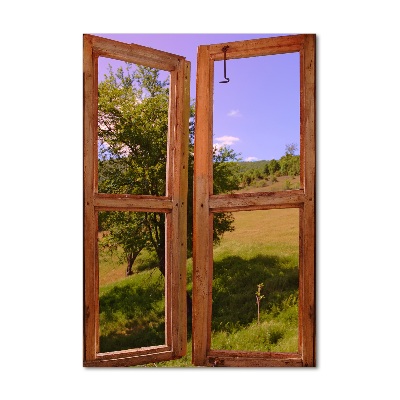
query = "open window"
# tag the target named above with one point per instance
(294, 207)
(135, 203)
(133, 208)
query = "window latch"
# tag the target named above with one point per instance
(224, 49)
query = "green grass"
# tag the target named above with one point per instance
(263, 248)
(272, 336)
(112, 266)
(132, 312)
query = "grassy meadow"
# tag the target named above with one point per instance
(263, 248)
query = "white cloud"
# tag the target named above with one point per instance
(217, 147)
(234, 113)
(251, 159)
(226, 140)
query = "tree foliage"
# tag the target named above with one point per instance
(133, 125)
(290, 163)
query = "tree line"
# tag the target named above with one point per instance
(287, 165)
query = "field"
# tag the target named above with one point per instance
(263, 249)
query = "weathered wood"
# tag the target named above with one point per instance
(248, 361)
(90, 224)
(257, 47)
(133, 352)
(168, 276)
(308, 312)
(301, 279)
(135, 54)
(116, 202)
(179, 130)
(308, 319)
(256, 201)
(202, 218)
(173, 191)
(170, 221)
(252, 354)
(233, 358)
(125, 360)
(183, 166)
(172, 117)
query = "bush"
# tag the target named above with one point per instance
(275, 333)
(288, 185)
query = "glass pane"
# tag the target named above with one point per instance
(131, 280)
(256, 119)
(255, 282)
(132, 128)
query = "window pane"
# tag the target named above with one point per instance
(256, 116)
(256, 284)
(133, 107)
(131, 281)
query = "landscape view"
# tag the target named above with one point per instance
(256, 253)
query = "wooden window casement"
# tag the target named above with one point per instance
(173, 204)
(206, 204)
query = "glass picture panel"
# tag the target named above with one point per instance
(133, 107)
(256, 122)
(256, 282)
(131, 280)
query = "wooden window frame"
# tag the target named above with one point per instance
(206, 204)
(174, 203)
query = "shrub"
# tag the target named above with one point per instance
(288, 185)
(275, 333)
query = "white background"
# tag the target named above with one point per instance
(41, 199)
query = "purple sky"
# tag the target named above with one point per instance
(257, 112)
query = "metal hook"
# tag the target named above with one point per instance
(224, 49)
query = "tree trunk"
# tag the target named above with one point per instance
(131, 257)
(161, 259)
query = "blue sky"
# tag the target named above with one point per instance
(257, 112)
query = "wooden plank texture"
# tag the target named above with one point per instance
(135, 54)
(256, 201)
(248, 361)
(114, 202)
(179, 130)
(90, 224)
(133, 352)
(128, 361)
(202, 219)
(228, 358)
(183, 131)
(252, 354)
(257, 47)
(307, 58)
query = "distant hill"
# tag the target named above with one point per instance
(248, 165)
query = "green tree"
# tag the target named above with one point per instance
(271, 167)
(126, 230)
(290, 163)
(133, 125)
